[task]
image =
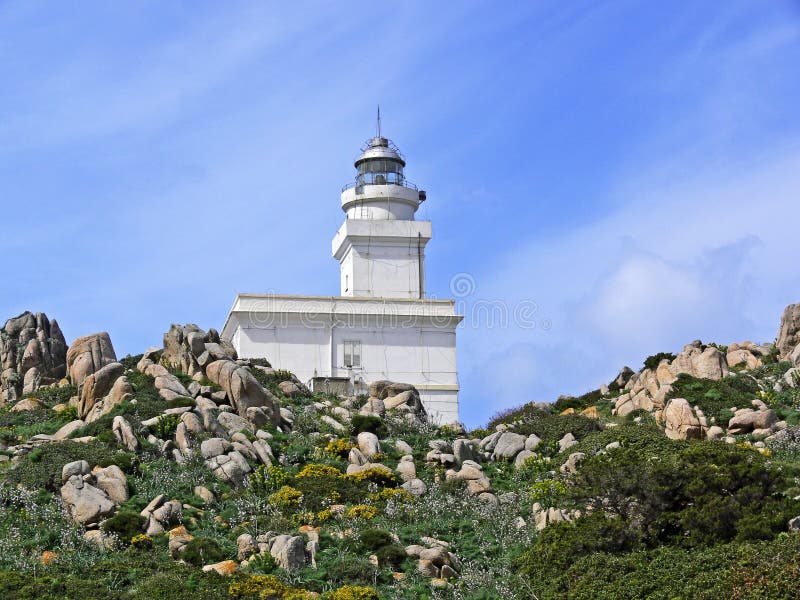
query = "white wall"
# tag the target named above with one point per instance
(420, 350)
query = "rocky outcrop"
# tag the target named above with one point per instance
(96, 385)
(88, 355)
(747, 420)
(189, 348)
(91, 496)
(680, 421)
(32, 354)
(789, 331)
(242, 389)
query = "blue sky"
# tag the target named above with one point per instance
(631, 170)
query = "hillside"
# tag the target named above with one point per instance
(187, 471)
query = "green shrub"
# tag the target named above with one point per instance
(353, 593)
(42, 470)
(715, 397)
(202, 551)
(652, 362)
(374, 539)
(125, 525)
(391, 556)
(579, 403)
(551, 428)
(165, 426)
(368, 423)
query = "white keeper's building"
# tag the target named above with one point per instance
(382, 326)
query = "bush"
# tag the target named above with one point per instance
(703, 494)
(551, 428)
(652, 362)
(125, 525)
(348, 592)
(391, 556)
(202, 551)
(715, 397)
(42, 470)
(369, 423)
(374, 539)
(579, 403)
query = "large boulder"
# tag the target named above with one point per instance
(86, 503)
(747, 420)
(508, 446)
(789, 331)
(184, 345)
(96, 385)
(680, 422)
(243, 390)
(32, 353)
(705, 362)
(88, 355)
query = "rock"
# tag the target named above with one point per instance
(264, 452)
(745, 422)
(100, 539)
(532, 442)
(415, 487)
(794, 524)
(403, 447)
(257, 416)
(373, 406)
(333, 423)
(231, 467)
(27, 404)
(680, 422)
(356, 457)
(86, 504)
(113, 482)
(204, 494)
(508, 446)
(427, 568)
(87, 355)
(67, 430)
(32, 354)
(120, 391)
(522, 457)
(462, 450)
(789, 331)
(78, 467)
(246, 546)
(715, 433)
(224, 568)
(214, 447)
(291, 390)
(233, 423)
(178, 538)
(566, 442)
(406, 468)
(289, 552)
(368, 444)
(193, 423)
(97, 385)
(571, 466)
(743, 357)
(242, 389)
(124, 433)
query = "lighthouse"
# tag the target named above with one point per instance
(380, 247)
(381, 326)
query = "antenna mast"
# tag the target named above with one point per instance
(379, 120)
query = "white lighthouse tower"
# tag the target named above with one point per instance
(380, 247)
(382, 326)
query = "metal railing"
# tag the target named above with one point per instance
(361, 184)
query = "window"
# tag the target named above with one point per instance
(352, 354)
